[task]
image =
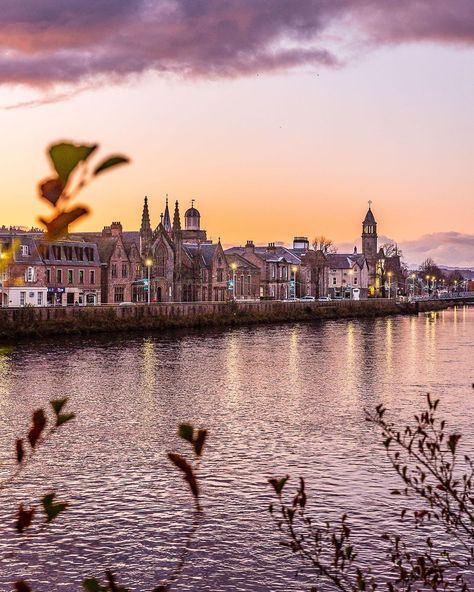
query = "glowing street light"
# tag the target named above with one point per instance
(148, 263)
(389, 274)
(233, 267)
(294, 269)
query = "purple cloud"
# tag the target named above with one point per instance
(65, 41)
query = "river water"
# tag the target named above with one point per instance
(276, 399)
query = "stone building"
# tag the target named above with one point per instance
(384, 270)
(184, 265)
(275, 263)
(245, 277)
(348, 275)
(55, 273)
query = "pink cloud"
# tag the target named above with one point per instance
(63, 41)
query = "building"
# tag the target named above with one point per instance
(183, 265)
(348, 276)
(55, 273)
(276, 263)
(245, 277)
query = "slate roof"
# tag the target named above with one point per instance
(345, 261)
(275, 255)
(240, 261)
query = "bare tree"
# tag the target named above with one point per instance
(324, 244)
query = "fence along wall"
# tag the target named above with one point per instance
(83, 320)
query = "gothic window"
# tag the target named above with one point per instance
(161, 256)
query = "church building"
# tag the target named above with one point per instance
(184, 266)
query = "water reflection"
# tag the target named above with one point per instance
(276, 400)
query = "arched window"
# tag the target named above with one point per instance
(161, 257)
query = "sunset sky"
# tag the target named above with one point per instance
(280, 117)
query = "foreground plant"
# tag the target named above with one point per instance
(43, 427)
(190, 471)
(438, 489)
(71, 174)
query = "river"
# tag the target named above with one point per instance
(276, 399)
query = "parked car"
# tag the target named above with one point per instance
(308, 297)
(324, 298)
(127, 303)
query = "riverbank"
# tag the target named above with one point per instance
(31, 322)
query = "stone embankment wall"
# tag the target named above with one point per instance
(82, 320)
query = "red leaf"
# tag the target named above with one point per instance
(39, 423)
(51, 190)
(20, 453)
(24, 518)
(186, 468)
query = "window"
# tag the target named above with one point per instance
(48, 276)
(220, 275)
(79, 253)
(124, 270)
(273, 272)
(81, 276)
(355, 281)
(40, 298)
(92, 276)
(24, 249)
(249, 281)
(114, 270)
(69, 276)
(59, 275)
(285, 273)
(89, 253)
(30, 274)
(241, 291)
(161, 256)
(68, 253)
(22, 298)
(118, 294)
(334, 281)
(56, 252)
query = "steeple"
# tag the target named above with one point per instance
(176, 218)
(146, 226)
(166, 217)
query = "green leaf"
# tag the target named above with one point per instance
(186, 431)
(58, 404)
(64, 418)
(110, 162)
(65, 158)
(92, 585)
(51, 509)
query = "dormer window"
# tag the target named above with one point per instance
(24, 250)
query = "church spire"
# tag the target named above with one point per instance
(146, 226)
(166, 217)
(176, 218)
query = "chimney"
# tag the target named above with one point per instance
(355, 250)
(249, 247)
(106, 231)
(271, 248)
(116, 229)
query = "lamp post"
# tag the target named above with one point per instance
(433, 283)
(233, 267)
(294, 269)
(148, 264)
(389, 275)
(351, 272)
(413, 277)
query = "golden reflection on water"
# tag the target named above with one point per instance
(294, 359)
(389, 345)
(232, 365)
(5, 372)
(148, 365)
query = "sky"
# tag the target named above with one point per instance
(279, 117)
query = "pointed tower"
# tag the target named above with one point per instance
(178, 256)
(166, 217)
(145, 229)
(369, 243)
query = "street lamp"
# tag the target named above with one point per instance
(389, 275)
(351, 272)
(233, 267)
(148, 264)
(413, 277)
(294, 269)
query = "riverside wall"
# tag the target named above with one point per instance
(31, 322)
